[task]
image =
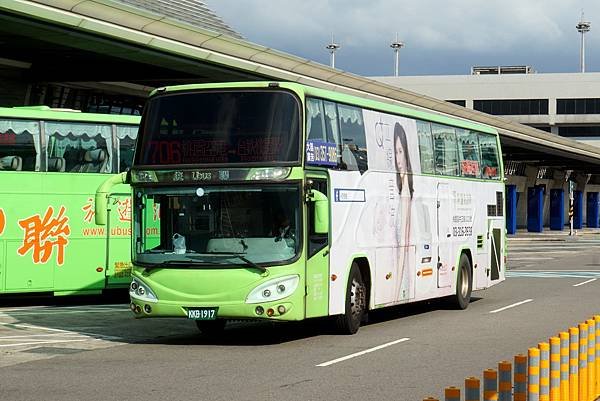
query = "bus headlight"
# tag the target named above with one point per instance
(140, 291)
(274, 290)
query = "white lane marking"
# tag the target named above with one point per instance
(511, 306)
(585, 282)
(79, 308)
(30, 336)
(344, 358)
(41, 342)
(88, 335)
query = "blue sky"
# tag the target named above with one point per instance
(441, 36)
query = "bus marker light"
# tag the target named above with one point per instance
(138, 309)
(99, 269)
(147, 309)
(132, 307)
(418, 273)
(270, 312)
(333, 277)
(388, 276)
(259, 310)
(281, 309)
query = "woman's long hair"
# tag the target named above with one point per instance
(400, 135)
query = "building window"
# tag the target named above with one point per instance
(581, 131)
(512, 107)
(462, 103)
(578, 106)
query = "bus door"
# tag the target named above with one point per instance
(445, 256)
(317, 260)
(118, 240)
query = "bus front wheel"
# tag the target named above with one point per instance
(464, 283)
(356, 303)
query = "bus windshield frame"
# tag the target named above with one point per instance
(227, 146)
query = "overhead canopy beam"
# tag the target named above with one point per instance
(154, 33)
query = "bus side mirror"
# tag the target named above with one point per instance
(102, 193)
(321, 215)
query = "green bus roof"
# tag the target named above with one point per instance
(47, 113)
(385, 105)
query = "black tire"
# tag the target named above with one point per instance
(356, 303)
(211, 327)
(464, 283)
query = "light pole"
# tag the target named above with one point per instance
(396, 45)
(583, 27)
(332, 47)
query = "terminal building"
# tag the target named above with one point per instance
(107, 55)
(562, 104)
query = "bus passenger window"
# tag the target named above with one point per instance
(445, 150)
(126, 136)
(353, 143)
(490, 165)
(19, 145)
(425, 147)
(315, 123)
(468, 150)
(79, 147)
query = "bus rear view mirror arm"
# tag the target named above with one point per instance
(102, 193)
(321, 215)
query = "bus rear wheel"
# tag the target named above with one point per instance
(211, 327)
(356, 303)
(464, 283)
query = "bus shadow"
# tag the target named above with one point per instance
(109, 320)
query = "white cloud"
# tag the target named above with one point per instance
(460, 26)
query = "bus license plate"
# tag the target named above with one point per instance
(202, 313)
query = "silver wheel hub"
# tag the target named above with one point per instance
(464, 282)
(357, 299)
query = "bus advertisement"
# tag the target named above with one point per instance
(284, 202)
(51, 163)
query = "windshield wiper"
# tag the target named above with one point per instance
(240, 256)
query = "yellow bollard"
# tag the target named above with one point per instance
(583, 376)
(544, 371)
(533, 374)
(490, 385)
(520, 378)
(591, 359)
(472, 389)
(573, 364)
(564, 366)
(554, 369)
(597, 320)
(504, 381)
(452, 394)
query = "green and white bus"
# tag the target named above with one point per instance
(51, 163)
(284, 202)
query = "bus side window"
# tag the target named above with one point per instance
(126, 136)
(316, 242)
(353, 142)
(79, 147)
(19, 145)
(445, 150)
(468, 150)
(490, 164)
(315, 122)
(425, 147)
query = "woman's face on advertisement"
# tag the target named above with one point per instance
(400, 156)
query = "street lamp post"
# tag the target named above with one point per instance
(332, 47)
(583, 27)
(396, 45)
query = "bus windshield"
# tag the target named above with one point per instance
(217, 225)
(221, 127)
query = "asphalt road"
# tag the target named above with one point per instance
(98, 352)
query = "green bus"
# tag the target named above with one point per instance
(280, 201)
(51, 163)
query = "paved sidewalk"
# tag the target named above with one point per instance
(553, 235)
